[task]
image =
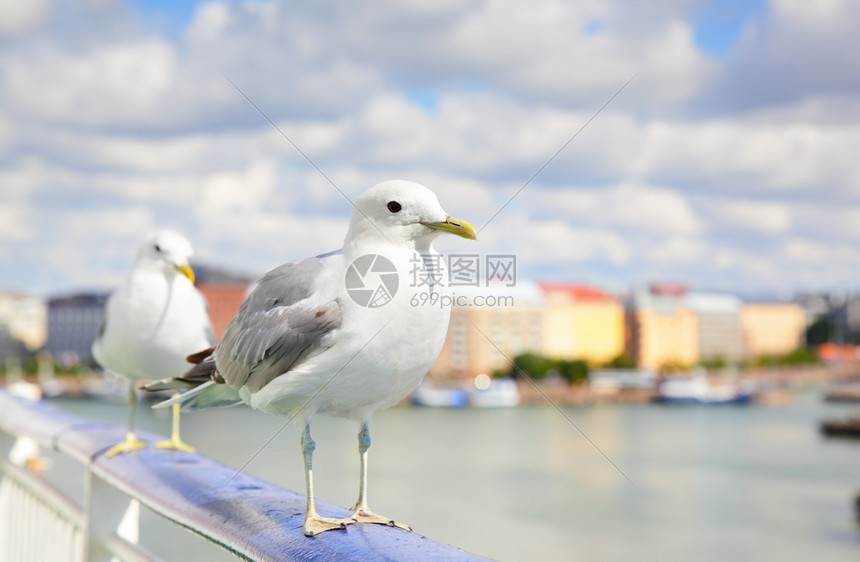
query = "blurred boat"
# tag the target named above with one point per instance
(493, 393)
(695, 388)
(482, 392)
(843, 393)
(108, 387)
(847, 427)
(439, 397)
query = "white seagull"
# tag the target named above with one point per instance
(345, 333)
(152, 323)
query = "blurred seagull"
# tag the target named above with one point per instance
(340, 333)
(152, 322)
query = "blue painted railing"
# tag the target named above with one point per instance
(249, 517)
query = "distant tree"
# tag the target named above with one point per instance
(800, 356)
(30, 365)
(532, 364)
(714, 362)
(821, 331)
(538, 367)
(673, 367)
(573, 371)
(622, 361)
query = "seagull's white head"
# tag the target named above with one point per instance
(166, 251)
(400, 211)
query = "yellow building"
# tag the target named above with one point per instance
(662, 331)
(562, 321)
(772, 328)
(489, 330)
(581, 322)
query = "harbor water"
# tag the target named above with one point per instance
(607, 482)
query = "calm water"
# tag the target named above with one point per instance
(740, 483)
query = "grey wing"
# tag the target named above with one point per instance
(282, 322)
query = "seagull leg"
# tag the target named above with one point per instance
(314, 523)
(361, 512)
(131, 441)
(175, 442)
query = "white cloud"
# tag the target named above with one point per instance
(567, 52)
(93, 248)
(16, 223)
(677, 250)
(739, 261)
(765, 217)
(553, 242)
(813, 253)
(22, 17)
(732, 155)
(115, 84)
(627, 205)
(743, 167)
(225, 194)
(798, 53)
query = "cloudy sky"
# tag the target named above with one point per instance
(731, 161)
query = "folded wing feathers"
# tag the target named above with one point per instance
(280, 324)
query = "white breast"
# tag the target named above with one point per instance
(152, 324)
(380, 355)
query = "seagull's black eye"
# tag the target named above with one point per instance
(157, 248)
(394, 206)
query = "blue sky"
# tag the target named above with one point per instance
(728, 162)
(719, 25)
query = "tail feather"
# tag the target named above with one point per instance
(207, 388)
(201, 372)
(207, 395)
(167, 384)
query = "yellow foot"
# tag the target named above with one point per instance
(367, 516)
(315, 524)
(176, 443)
(131, 443)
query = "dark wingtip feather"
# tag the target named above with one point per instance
(197, 358)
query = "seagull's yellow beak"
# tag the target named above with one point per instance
(454, 226)
(186, 270)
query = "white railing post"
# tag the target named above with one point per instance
(110, 513)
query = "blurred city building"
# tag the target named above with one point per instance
(832, 317)
(25, 318)
(662, 326)
(582, 322)
(225, 292)
(719, 326)
(489, 327)
(73, 322)
(224, 302)
(661, 329)
(772, 328)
